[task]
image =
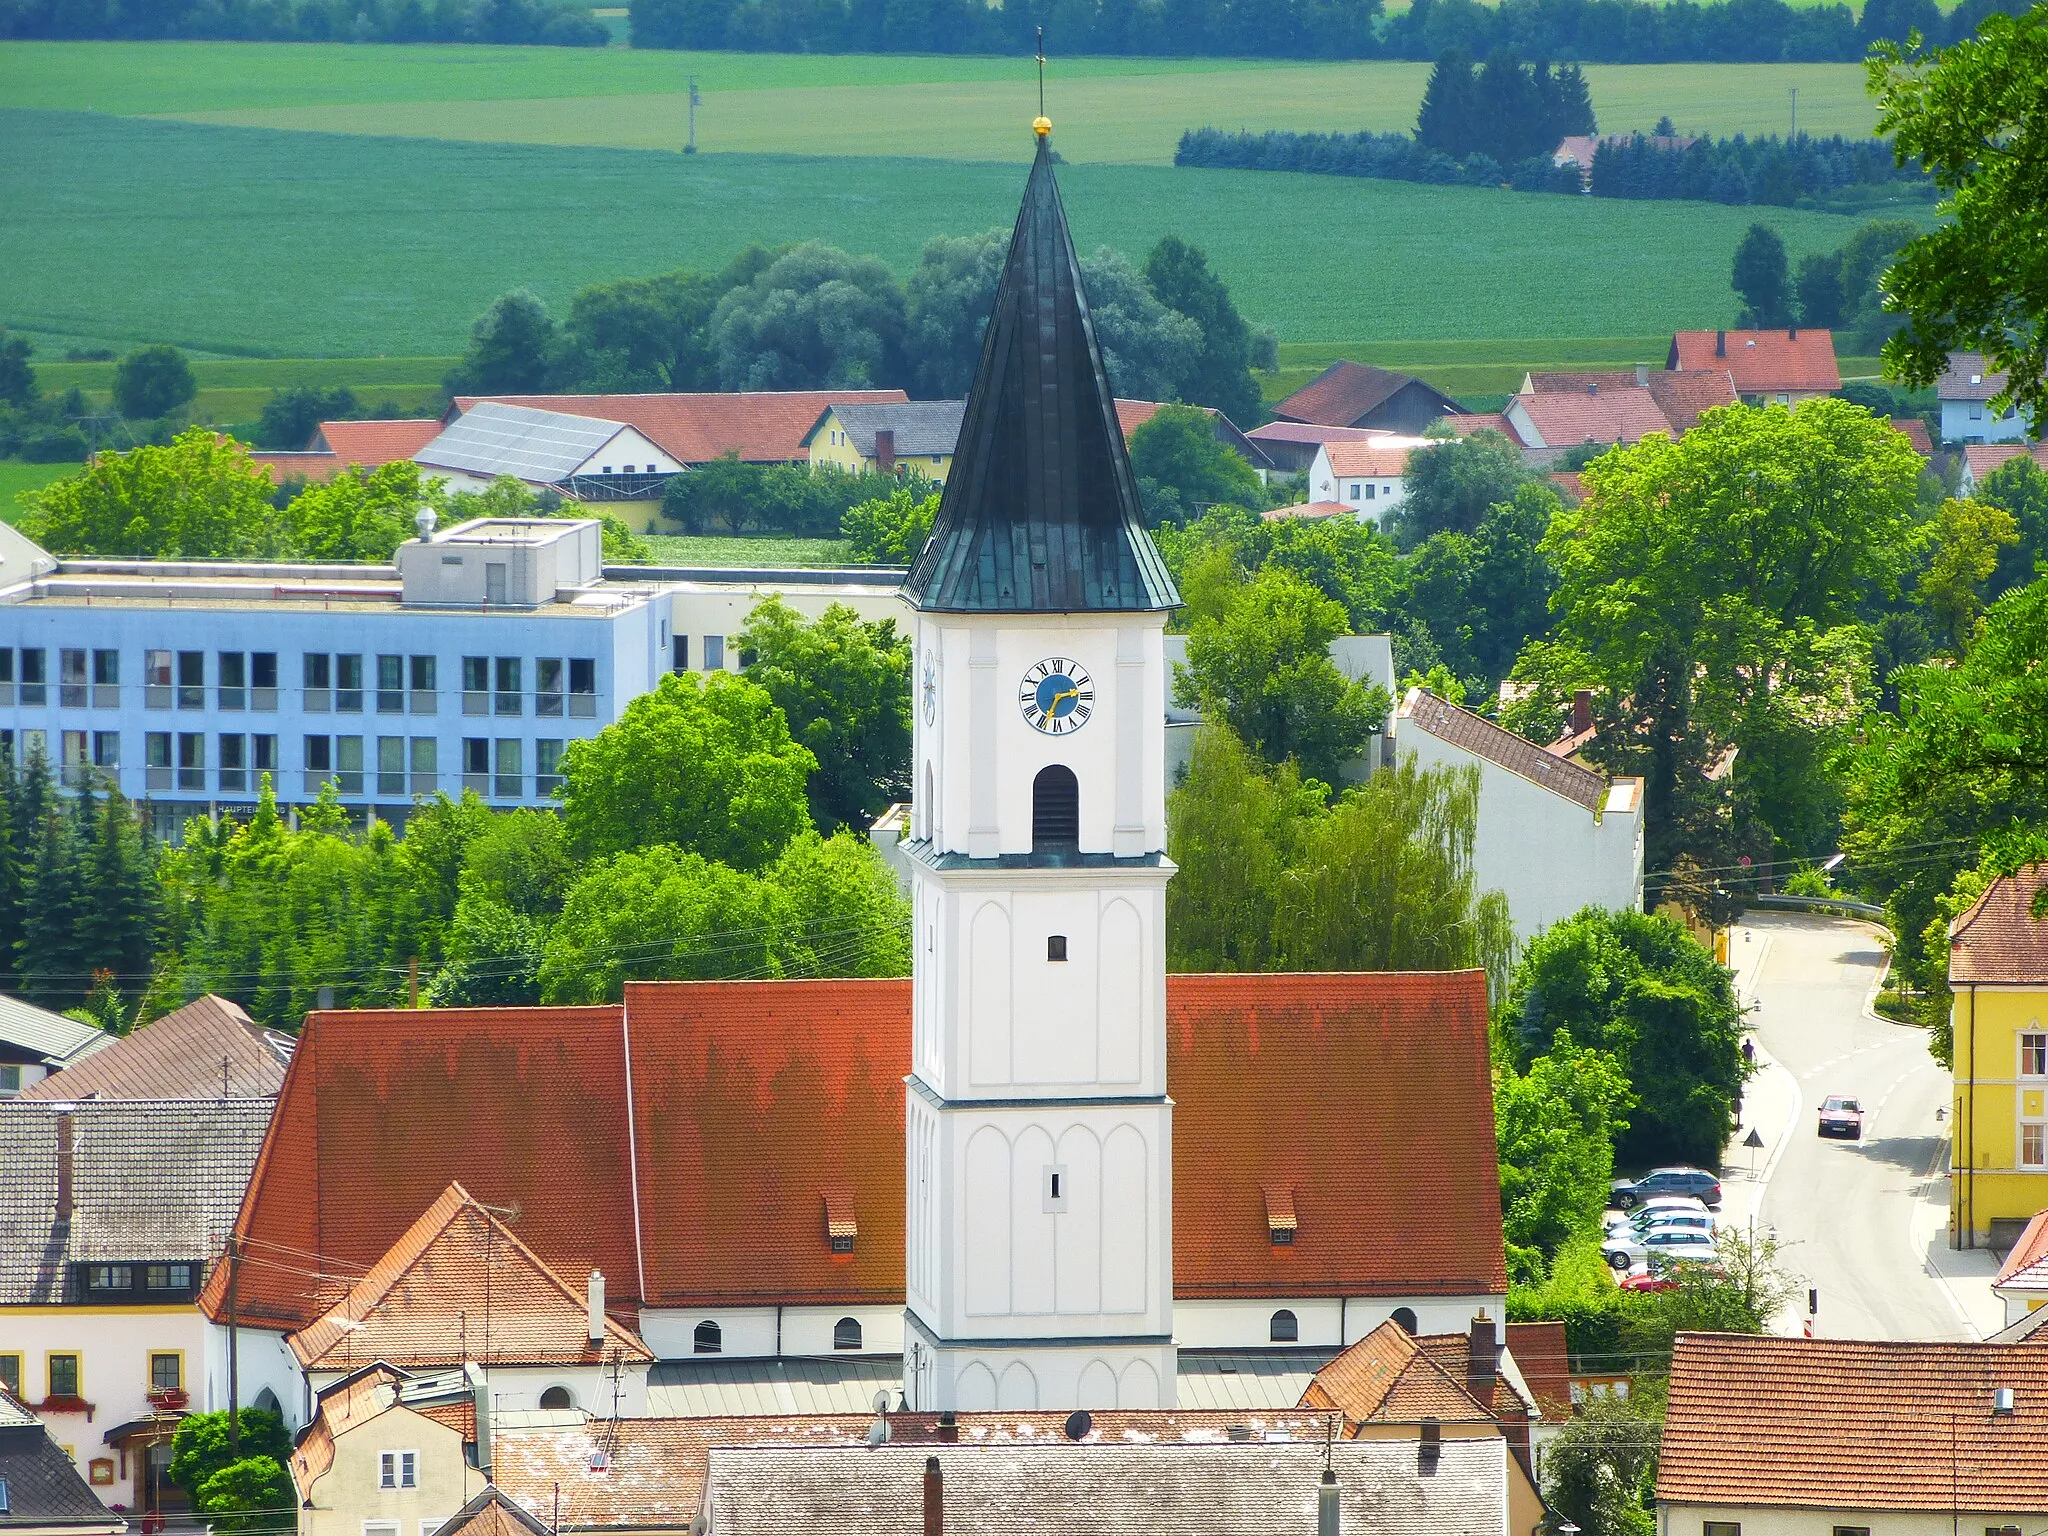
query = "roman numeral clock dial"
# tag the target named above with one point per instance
(1057, 696)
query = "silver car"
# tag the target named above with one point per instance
(1623, 1251)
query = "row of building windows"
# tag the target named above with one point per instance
(63, 1370)
(709, 1339)
(334, 682)
(402, 767)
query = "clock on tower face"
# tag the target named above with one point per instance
(1057, 696)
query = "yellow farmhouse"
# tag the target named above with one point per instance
(1998, 968)
(912, 438)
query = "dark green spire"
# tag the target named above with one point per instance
(1040, 512)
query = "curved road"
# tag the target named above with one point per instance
(1860, 1221)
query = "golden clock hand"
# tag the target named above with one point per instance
(1071, 693)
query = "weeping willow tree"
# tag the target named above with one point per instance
(1275, 877)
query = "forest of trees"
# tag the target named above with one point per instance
(552, 22)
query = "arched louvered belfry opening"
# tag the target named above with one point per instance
(1285, 1328)
(846, 1333)
(709, 1339)
(1055, 810)
(558, 1397)
(1405, 1316)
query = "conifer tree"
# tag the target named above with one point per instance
(49, 964)
(1447, 120)
(118, 923)
(13, 873)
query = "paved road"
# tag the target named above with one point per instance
(1867, 1222)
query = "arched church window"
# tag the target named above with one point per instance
(267, 1401)
(1405, 1316)
(1285, 1329)
(846, 1333)
(1055, 810)
(709, 1339)
(557, 1397)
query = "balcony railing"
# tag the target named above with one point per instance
(509, 703)
(234, 781)
(480, 782)
(425, 783)
(263, 699)
(319, 701)
(106, 695)
(156, 779)
(390, 701)
(583, 706)
(508, 786)
(548, 705)
(232, 698)
(390, 783)
(425, 701)
(192, 778)
(476, 701)
(71, 695)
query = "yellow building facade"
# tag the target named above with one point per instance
(909, 438)
(1998, 969)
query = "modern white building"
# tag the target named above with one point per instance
(468, 663)
(1553, 836)
(589, 458)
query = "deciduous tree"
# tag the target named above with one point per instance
(197, 497)
(815, 318)
(1761, 281)
(892, 529)
(1222, 372)
(514, 349)
(1556, 1126)
(1964, 541)
(151, 382)
(1183, 469)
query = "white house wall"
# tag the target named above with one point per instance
(1774, 1520)
(1546, 854)
(1327, 1321)
(752, 1332)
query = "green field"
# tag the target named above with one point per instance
(707, 550)
(298, 244)
(16, 477)
(234, 389)
(1123, 111)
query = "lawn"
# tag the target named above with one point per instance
(234, 390)
(1125, 111)
(16, 477)
(709, 550)
(232, 240)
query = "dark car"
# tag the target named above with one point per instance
(1667, 1181)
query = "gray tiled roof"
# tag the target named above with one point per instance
(922, 427)
(1482, 738)
(53, 1038)
(152, 1180)
(1247, 1489)
(43, 1487)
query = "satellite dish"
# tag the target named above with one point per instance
(1078, 1424)
(881, 1402)
(878, 1432)
(698, 1525)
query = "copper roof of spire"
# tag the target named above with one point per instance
(1040, 512)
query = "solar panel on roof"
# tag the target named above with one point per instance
(539, 446)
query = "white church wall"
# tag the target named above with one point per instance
(751, 1333)
(1327, 1321)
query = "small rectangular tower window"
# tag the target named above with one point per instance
(1055, 1187)
(1056, 947)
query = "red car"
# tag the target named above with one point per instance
(1647, 1281)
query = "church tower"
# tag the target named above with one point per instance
(1039, 1133)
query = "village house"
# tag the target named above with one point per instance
(111, 1212)
(1965, 390)
(915, 438)
(1981, 460)
(208, 1049)
(1782, 1437)
(35, 1043)
(1559, 410)
(2022, 1280)
(389, 1453)
(1290, 446)
(1777, 367)
(583, 459)
(1369, 478)
(1347, 394)
(1998, 971)
(1553, 835)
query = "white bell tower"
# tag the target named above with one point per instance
(1039, 1131)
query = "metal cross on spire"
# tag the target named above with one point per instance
(1041, 71)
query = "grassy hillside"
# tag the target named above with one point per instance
(245, 241)
(16, 477)
(1107, 110)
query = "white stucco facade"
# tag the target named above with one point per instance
(1974, 421)
(1039, 1135)
(1546, 853)
(1674, 1519)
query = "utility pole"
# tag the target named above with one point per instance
(696, 101)
(1795, 113)
(234, 1375)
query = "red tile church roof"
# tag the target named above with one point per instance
(753, 1103)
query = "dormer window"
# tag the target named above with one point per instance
(1280, 1224)
(840, 1226)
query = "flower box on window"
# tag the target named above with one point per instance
(56, 1404)
(168, 1397)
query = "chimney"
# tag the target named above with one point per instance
(65, 1134)
(949, 1426)
(1326, 1505)
(1481, 1362)
(934, 1498)
(480, 1402)
(597, 1309)
(1582, 711)
(1642, 375)
(885, 450)
(1593, 388)
(1792, 333)
(1720, 343)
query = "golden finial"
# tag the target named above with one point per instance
(1041, 124)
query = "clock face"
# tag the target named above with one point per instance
(931, 690)
(1057, 696)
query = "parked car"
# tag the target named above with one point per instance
(1841, 1116)
(1626, 1250)
(1689, 1204)
(1667, 1181)
(1648, 1280)
(1662, 1271)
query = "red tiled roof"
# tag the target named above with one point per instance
(2029, 1251)
(1682, 394)
(763, 427)
(1855, 1424)
(1452, 1352)
(1610, 416)
(314, 468)
(1310, 432)
(1541, 1356)
(1570, 482)
(1915, 432)
(1999, 939)
(1367, 458)
(408, 1310)
(179, 1056)
(1345, 393)
(1983, 458)
(1763, 362)
(755, 1101)
(1390, 1377)
(1464, 425)
(375, 443)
